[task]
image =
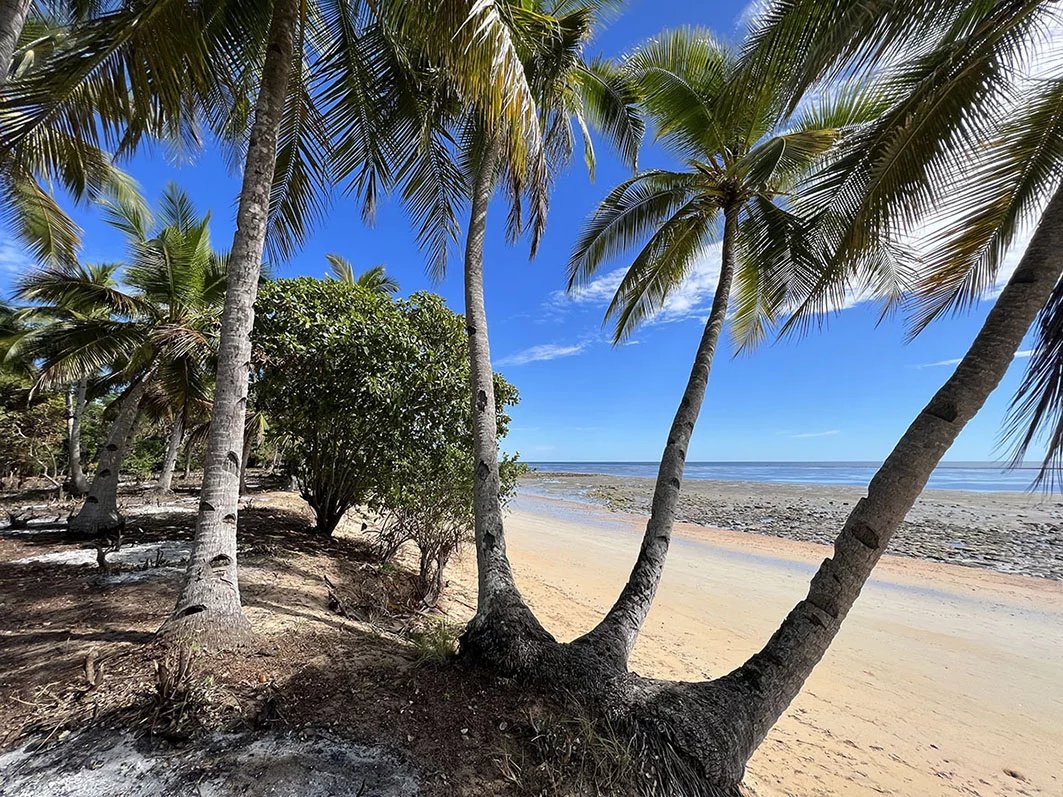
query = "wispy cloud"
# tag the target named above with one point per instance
(1019, 355)
(542, 353)
(14, 259)
(806, 435)
(691, 299)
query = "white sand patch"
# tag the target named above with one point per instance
(168, 551)
(299, 765)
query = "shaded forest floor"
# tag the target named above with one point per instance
(340, 655)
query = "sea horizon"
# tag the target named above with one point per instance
(973, 476)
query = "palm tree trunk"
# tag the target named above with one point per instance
(188, 461)
(773, 677)
(208, 611)
(173, 448)
(499, 605)
(615, 635)
(79, 485)
(99, 514)
(245, 457)
(13, 15)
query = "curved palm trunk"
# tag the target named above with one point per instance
(173, 447)
(208, 611)
(13, 15)
(502, 618)
(79, 484)
(99, 514)
(765, 685)
(616, 634)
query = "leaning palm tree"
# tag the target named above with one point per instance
(743, 165)
(160, 324)
(373, 279)
(936, 138)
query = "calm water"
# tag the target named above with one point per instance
(974, 476)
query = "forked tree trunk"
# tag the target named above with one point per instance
(99, 514)
(79, 484)
(615, 635)
(13, 15)
(719, 724)
(498, 602)
(208, 612)
(173, 448)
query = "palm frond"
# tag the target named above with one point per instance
(1037, 408)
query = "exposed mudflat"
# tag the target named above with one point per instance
(1019, 533)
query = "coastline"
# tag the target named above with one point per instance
(980, 652)
(1016, 533)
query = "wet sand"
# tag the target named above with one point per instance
(945, 680)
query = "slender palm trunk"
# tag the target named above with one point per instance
(79, 485)
(774, 676)
(99, 514)
(13, 15)
(173, 448)
(615, 635)
(498, 602)
(188, 461)
(245, 457)
(208, 611)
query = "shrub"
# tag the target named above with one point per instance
(368, 398)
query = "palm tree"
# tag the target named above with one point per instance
(159, 329)
(570, 93)
(286, 126)
(33, 341)
(742, 167)
(372, 279)
(54, 151)
(934, 139)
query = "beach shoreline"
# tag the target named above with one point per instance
(1007, 532)
(980, 653)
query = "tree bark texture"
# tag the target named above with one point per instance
(79, 484)
(13, 15)
(99, 514)
(209, 611)
(173, 448)
(500, 609)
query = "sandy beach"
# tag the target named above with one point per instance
(945, 680)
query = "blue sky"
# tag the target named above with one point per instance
(846, 393)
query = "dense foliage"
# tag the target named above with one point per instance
(369, 397)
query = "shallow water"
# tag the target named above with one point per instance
(972, 476)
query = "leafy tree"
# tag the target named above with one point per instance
(31, 340)
(31, 430)
(367, 394)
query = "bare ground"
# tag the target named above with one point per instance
(340, 673)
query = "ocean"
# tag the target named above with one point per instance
(974, 476)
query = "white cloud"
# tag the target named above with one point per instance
(806, 435)
(542, 353)
(1019, 355)
(14, 259)
(691, 299)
